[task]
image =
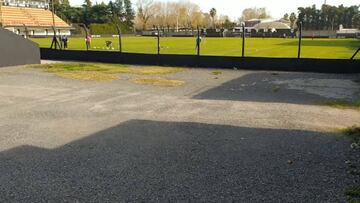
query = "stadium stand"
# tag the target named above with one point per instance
(32, 21)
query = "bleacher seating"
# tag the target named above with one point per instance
(30, 17)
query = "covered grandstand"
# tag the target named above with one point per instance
(31, 19)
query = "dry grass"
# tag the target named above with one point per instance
(153, 70)
(87, 75)
(158, 82)
(101, 72)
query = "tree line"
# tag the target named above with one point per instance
(177, 15)
(102, 15)
(185, 14)
(329, 17)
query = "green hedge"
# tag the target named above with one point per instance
(105, 29)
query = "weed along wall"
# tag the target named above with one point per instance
(15, 50)
(250, 63)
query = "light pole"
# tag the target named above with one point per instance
(54, 40)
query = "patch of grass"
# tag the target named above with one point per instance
(353, 132)
(217, 72)
(343, 104)
(153, 70)
(66, 67)
(353, 194)
(276, 89)
(87, 75)
(158, 82)
(103, 72)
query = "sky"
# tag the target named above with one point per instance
(233, 8)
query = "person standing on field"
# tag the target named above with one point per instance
(88, 42)
(198, 41)
(65, 41)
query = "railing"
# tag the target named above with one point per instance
(356, 52)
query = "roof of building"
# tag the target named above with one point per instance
(348, 31)
(272, 25)
(29, 17)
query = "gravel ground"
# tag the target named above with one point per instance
(240, 136)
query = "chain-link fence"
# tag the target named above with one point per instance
(198, 42)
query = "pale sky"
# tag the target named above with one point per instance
(233, 8)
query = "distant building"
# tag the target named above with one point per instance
(265, 28)
(347, 33)
(31, 18)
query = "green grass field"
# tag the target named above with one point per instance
(267, 47)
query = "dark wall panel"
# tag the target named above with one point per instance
(249, 63)
(15, 50)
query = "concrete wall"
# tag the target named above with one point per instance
(249, 63)
(15, 50)
(319, 33)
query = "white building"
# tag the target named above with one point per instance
(347, 33)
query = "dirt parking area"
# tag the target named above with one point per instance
(222, 136)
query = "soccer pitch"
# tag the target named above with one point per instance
(256, 47)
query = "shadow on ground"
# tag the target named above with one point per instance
(294, 88)
(143, 160)
(352, 45)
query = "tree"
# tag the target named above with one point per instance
(118, 9)
(254, 13)
(88, 4)
(292, 19)
(145, 11)
(213, 15)
(99, 13)
(86, 18)
(286, 16)
(328, 17)
(226, 22)
(129, 14)
(356, 21)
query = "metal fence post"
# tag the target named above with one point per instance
(198, 42)
(300, 37)
(119, 35)
(356, 52)
(243, 40)
(158, 41)
(86, 35)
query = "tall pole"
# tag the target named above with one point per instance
(300, 36)
(198, 42)
(119, 35)
(53, 13)
(243, 40)
(86, 35)
(54, 41)
(158, 41)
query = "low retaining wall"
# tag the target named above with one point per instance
(15, 50)
(249, 63)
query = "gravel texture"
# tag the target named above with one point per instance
(232, 137)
